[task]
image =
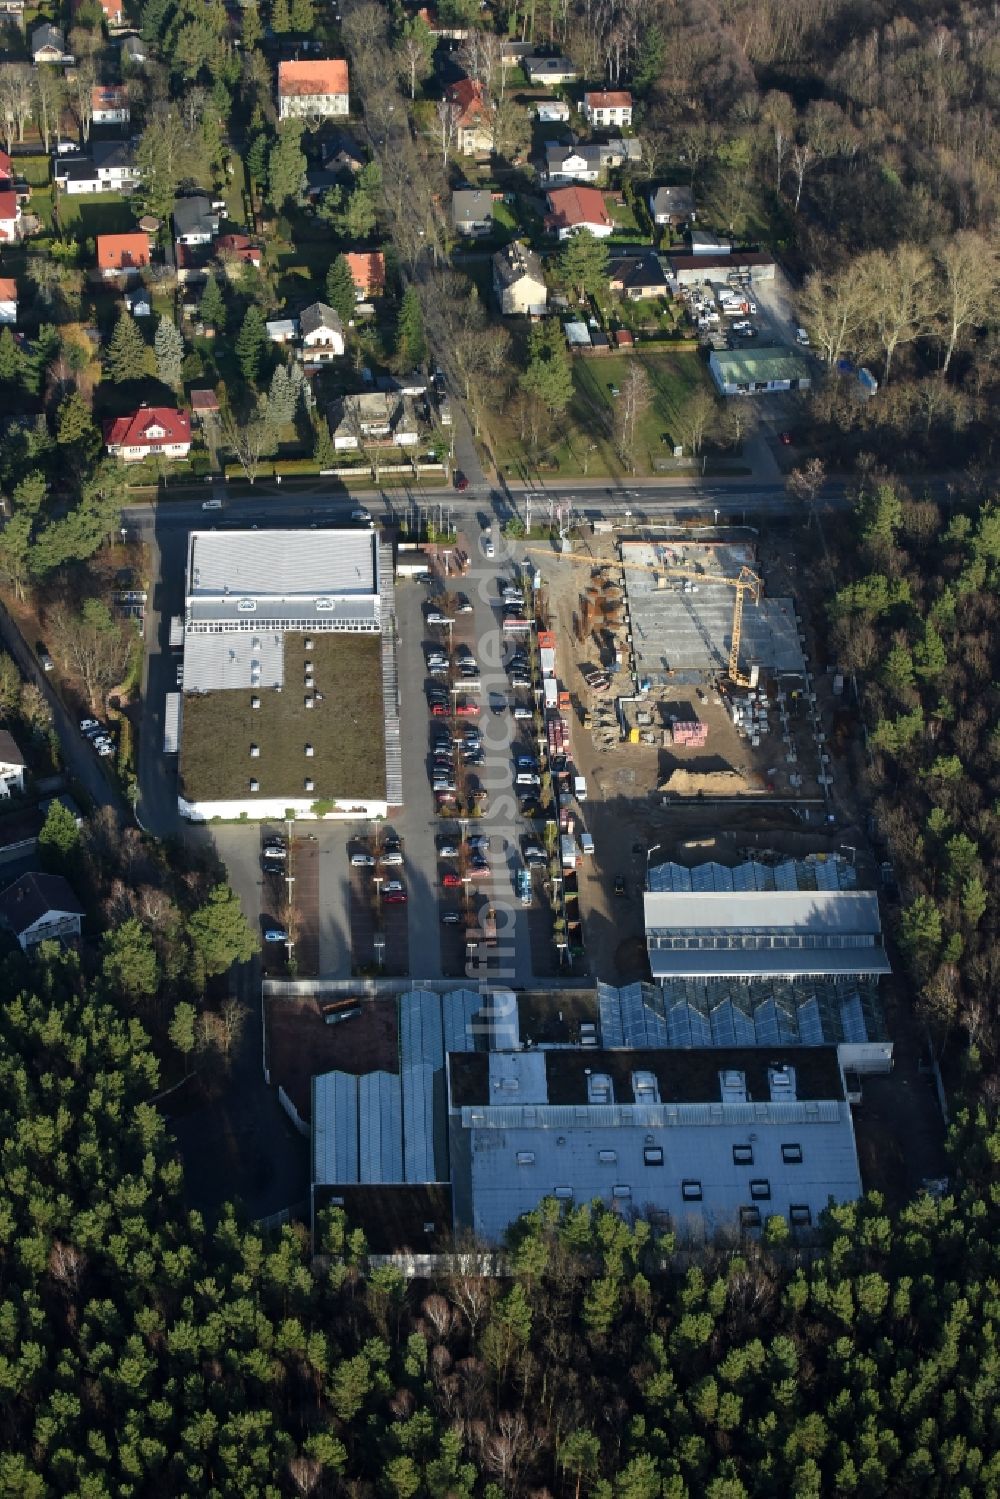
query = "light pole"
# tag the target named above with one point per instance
(649, 853)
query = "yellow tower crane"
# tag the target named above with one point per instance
(747, 582)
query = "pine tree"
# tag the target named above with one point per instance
(59, 839)
(126, 355)
(213, 306)
(252, 28)
(549, 376)
(250, 344)
(302, 16)
(10, 359)
(169, 347)
(286, 165)
(75, 427)
(281, 398)
(340, 290)
(411, 343)
(584, 263)
(280, 18)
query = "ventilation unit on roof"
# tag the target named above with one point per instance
(254, 785)
(309, 783)
(309, 752)
(600, 1088)
(255, 751)
(733, 1085)
(781, 1080)
(645, 1088)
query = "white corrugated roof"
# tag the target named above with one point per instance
(217, 663)
(813, 911)
(282, 564)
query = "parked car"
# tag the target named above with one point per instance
(275, 848)
(363, 861)
(273, 866)
(489, 550)
(785, 438)
(451, 918)
(391, 858)
(802, 338)
(44, 659)
(395, 898)
(620, 886)
(447, 850)
(89, 726)
(363, 514)
(522, 711)
(467, 710)
(276, 934)
(392, 887)
(534, 854)
(439, 710)
(461, 482)
(451, 880)
(435, 617)
(464, 604)
(104, 748)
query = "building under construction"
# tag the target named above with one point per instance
(702, 610)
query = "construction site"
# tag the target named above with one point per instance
(692, 680)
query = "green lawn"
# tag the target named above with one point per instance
(85, 217)
(582, 441)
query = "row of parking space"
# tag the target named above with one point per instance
(378, 905)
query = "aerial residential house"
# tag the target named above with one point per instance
(12, 765)
(150, 432)
(12, 10)
(472, 211)
(6, 165)
(367, 268)
(551, 111)
(204, 405)
(109, 105)
(135, 51)
(10, 214)
(549, 70)
(235, 251)
(574, 208)
(314, 87)
(122, 254)
(518, 283)
(40, 908)
(638, 276)
(115, 165)
(76, 175)
(572, 163)
(342, 155)
(473, 133)
(376, 418)
(139, 302)
(672, 206)
(114, 13)
(322, 333)
(604, 108)
(8, 299)
(47, 44)
(195, 221)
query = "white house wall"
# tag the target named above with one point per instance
(270, 809)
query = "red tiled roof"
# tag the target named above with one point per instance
(120, 252)
(467, 96)
(6, 167)
(321, 75)
(240, 246)
(8, 289)
(613, 100)
(131, 431)
(204, 400)
(570, 207)
(108, 96)
(8, 203)
(368, 270)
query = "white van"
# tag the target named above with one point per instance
(215, 504)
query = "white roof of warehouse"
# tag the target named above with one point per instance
(286, 573)
(218, 663)
(815, 911)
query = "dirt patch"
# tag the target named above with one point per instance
(300, 1044)
(707, 783)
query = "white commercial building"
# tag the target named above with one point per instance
(707, 1144)
(264, 679)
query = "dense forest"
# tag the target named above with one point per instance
(143, 1352)
(916, 618)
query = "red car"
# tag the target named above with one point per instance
(461, 482)
(451, 881)
(395, 898)
(467, 710)
(479, 871)
(785, 438)
(439, 710)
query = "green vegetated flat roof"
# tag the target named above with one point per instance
(345, 728)
(769, 364)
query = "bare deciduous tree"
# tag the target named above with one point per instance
(629, 409)
(17, 98)
(969, 273)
